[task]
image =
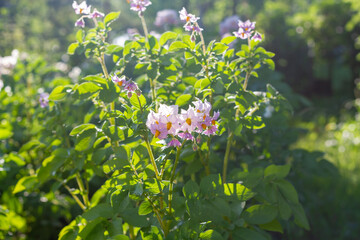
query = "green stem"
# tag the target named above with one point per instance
(146, 33)
(205, 164)
(152, 159)
(227, 153)
(171, 186)
(131, 232)
(83, 191)
(153, 93)
(202, 40)
(77, 200)
(141, 109)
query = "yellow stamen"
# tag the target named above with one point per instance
(188, 121)
(198, 111)
(156, 122)
(187, 18)
(168, 125)
(203, 126)
(157, 133)
(213, 122)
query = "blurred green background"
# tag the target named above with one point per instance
(317, 47)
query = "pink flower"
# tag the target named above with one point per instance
(44, 100)
(118, 81)
(247, 26)
(185, 16)
(139, 5)
(82, 8)
(190, 120)
(191, 24)
(159, 130)
(241, 33)
(174, 143)
(80, 23)
(186, 136)
(257, 37)
(96, 14)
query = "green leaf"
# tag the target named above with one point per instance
(103, 210)
(277, 171)
(95, 78)
(175, 46)
(211, 234)
(58, 93)
(202, 83)
(85, 140)
(239, 191)
(93, 230)
(81, 128)
(109, 18)
(228, 40)
(260, 214)
(273, 226)
(166, 37)
(69, 232)
(219, 48)
(254, 122)
(132, 217)
(145, 208)
(80, 35)
(5, 133)
(284, 208)
(51, 164)
(134, 100)
(72, 48)
(300, 217)
(288, 191)
(25, 183)
(191, 190)
(119, 200)
(109, 94)
(183, 99)
(120, 237)
(88, 88)
(248, 234)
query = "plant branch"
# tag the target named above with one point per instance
(227, 153)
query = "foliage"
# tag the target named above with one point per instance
(92, 141)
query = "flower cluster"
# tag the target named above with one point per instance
(129, 86)
(139, 5)
(44, 100)
(196, 120)
(166, 17)
(85, 11)
(246, 31)
(191, 24)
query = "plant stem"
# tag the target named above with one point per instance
(131, 232)
(83, 191)
(146, 33)
(171, 186)
(153, 93)
(205, 164)
(227, 153)
(152, 159)
(141, 109)
(202, 40)
(77, 200)
(247, 79)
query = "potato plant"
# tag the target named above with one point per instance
(149, 156)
